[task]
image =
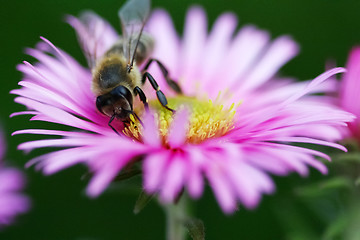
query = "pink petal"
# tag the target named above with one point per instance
(309, 140)
(221, 187)
(154, 167)
(314, 83)
(150, 133)
(174, 177)
(11, 179)
(216, 48)
(106, 171)
(63, 159)
(179, 128)
(95, 34)
(57, 115)
(350, 91)
(102, 179)
(248, 43)
(244, 182)
(52, 132)
(281, 51)
(195, 32)
(195, 181)
(167, 46)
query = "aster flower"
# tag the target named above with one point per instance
(12, 201)
(350, 92)
(233, 125)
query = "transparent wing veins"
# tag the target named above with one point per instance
(133, 16)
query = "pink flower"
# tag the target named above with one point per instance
(350, 92)
(233, 126)
(12, 201)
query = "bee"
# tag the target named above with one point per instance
(117, 78)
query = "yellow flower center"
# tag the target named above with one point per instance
(207, 119)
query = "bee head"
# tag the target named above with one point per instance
(118, 102)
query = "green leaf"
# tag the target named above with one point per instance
(352, 145)
(142, 201)
(336, 182)
(128, 174)
(294, 218)
(357, 181)
(349, 157)
(196, 228)
(323, 187)
(336, 228)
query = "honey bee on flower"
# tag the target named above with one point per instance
(234, 121)
(116, 75)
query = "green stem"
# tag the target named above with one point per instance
(175, 218)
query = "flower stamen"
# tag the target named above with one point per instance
(207, 119)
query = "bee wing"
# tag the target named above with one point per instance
(133, 16)
(95, 35)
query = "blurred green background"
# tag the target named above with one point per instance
(325, 29)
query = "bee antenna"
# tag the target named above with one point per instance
(130, 66)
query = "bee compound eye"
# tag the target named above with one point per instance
(104, 105)
(121, 92)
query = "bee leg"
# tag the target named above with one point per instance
(141, 96)
(109, 123)
(172, 84)
(160, 95)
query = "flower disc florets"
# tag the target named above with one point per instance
(207, 119)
